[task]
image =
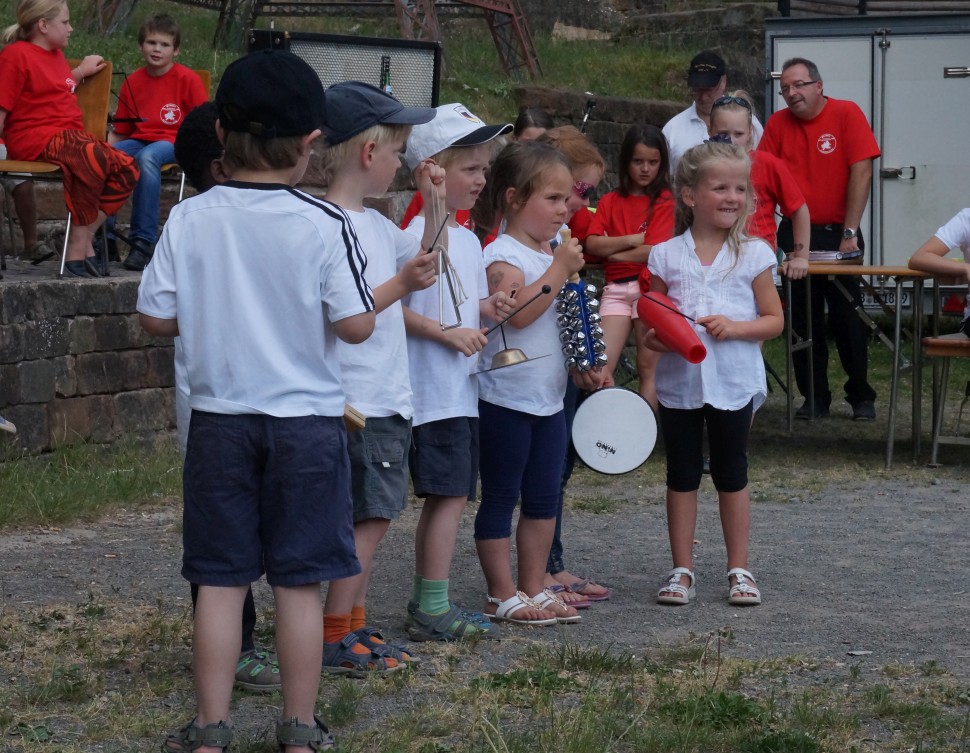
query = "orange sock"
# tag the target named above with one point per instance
(336, 627)
(358, 618)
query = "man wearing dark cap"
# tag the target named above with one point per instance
(707, 80)
(259, 280)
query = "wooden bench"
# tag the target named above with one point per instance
(945, 348)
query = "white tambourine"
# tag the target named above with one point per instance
(614, 430)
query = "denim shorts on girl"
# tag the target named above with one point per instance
(379, 467)
(620, 299)
(266, 494)
(444, 458)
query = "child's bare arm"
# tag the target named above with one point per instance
(770, 321)
(463, 339)
(430, 180)
(159, 327)
(355, 329)
(930, 258)
(90, 65)
(606, 246)
(417, 273)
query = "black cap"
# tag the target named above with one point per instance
(705, 70)
(353, 107)
(270, 94)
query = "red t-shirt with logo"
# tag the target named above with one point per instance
(37, 91)
(819, 153)
(773, 186)
(159, 102)
(618, 215)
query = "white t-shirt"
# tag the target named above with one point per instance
(255, 273)
(686, 129)
(537, 386)
(733, 372)
(374, 373)
(956, 234)
(443, 381)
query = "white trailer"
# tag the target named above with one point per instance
(911, 77)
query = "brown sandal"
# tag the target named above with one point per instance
(192, 737)
(293, 732)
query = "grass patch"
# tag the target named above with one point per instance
(82, 481)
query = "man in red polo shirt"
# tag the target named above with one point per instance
(829, 148)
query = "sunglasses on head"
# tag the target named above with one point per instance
(583, 189)
(727, 100)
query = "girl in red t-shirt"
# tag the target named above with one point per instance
(771, 181)
(628, 222)
(40, 120)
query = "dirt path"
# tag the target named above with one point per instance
(877, 567)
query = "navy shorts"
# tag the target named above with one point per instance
(265, 494)
(379, 467)
(444, 458)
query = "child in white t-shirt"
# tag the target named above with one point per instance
(443, 347)
(366, 131)
(930, 256)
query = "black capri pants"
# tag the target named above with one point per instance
(727, 433)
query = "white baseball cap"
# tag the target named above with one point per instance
(453, 125)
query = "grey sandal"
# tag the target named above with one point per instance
(192, 736)
(341, 659)
(455, 624)
(373, 639)
(293, 732)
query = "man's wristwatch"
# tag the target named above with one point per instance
(849, 233)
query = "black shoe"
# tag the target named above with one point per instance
(139, 256)
(76, 268)
(92, 266)
(864, 411)
(802, 414)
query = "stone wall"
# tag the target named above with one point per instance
(75, 365)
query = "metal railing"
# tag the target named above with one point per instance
(869, 7)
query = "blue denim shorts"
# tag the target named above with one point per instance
(265, 494)
(379, 467)
(444, 458)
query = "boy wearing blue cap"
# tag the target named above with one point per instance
(367, 130)
(259, 280)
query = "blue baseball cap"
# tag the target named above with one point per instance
(353, 107)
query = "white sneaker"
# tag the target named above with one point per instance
(7, 426)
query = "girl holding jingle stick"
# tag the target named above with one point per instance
(522, 424)
(723, 279)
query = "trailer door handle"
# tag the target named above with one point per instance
(902, 173)
(956, 71)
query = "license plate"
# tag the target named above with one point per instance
(889, 297)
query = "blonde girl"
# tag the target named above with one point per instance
(40, 120)
(522, 423)
(627, 224)
(774, 186)
(714, 273)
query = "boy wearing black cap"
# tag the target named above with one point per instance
(366, 131)
(259, 280)
(443, 347)
(707, 80)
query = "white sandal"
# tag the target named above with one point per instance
(552, 602)
(672, 585)
(505, 609)
(744, 593)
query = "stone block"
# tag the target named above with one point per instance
(142, 411)
(81, 419)
(11, 343)
(65, 380)
(9, 385)
(32, 431)
(16, 302)
(46, 338)
(161, 367)
(98, 373)
(127, 294)
(97, 297)
(54, 298)
(133, 365)
(81, 335)
(117, 333)
(36, 381)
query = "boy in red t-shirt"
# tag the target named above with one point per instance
(152, 103)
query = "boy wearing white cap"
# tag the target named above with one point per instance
(443, 346)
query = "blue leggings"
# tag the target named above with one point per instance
(519, 453)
